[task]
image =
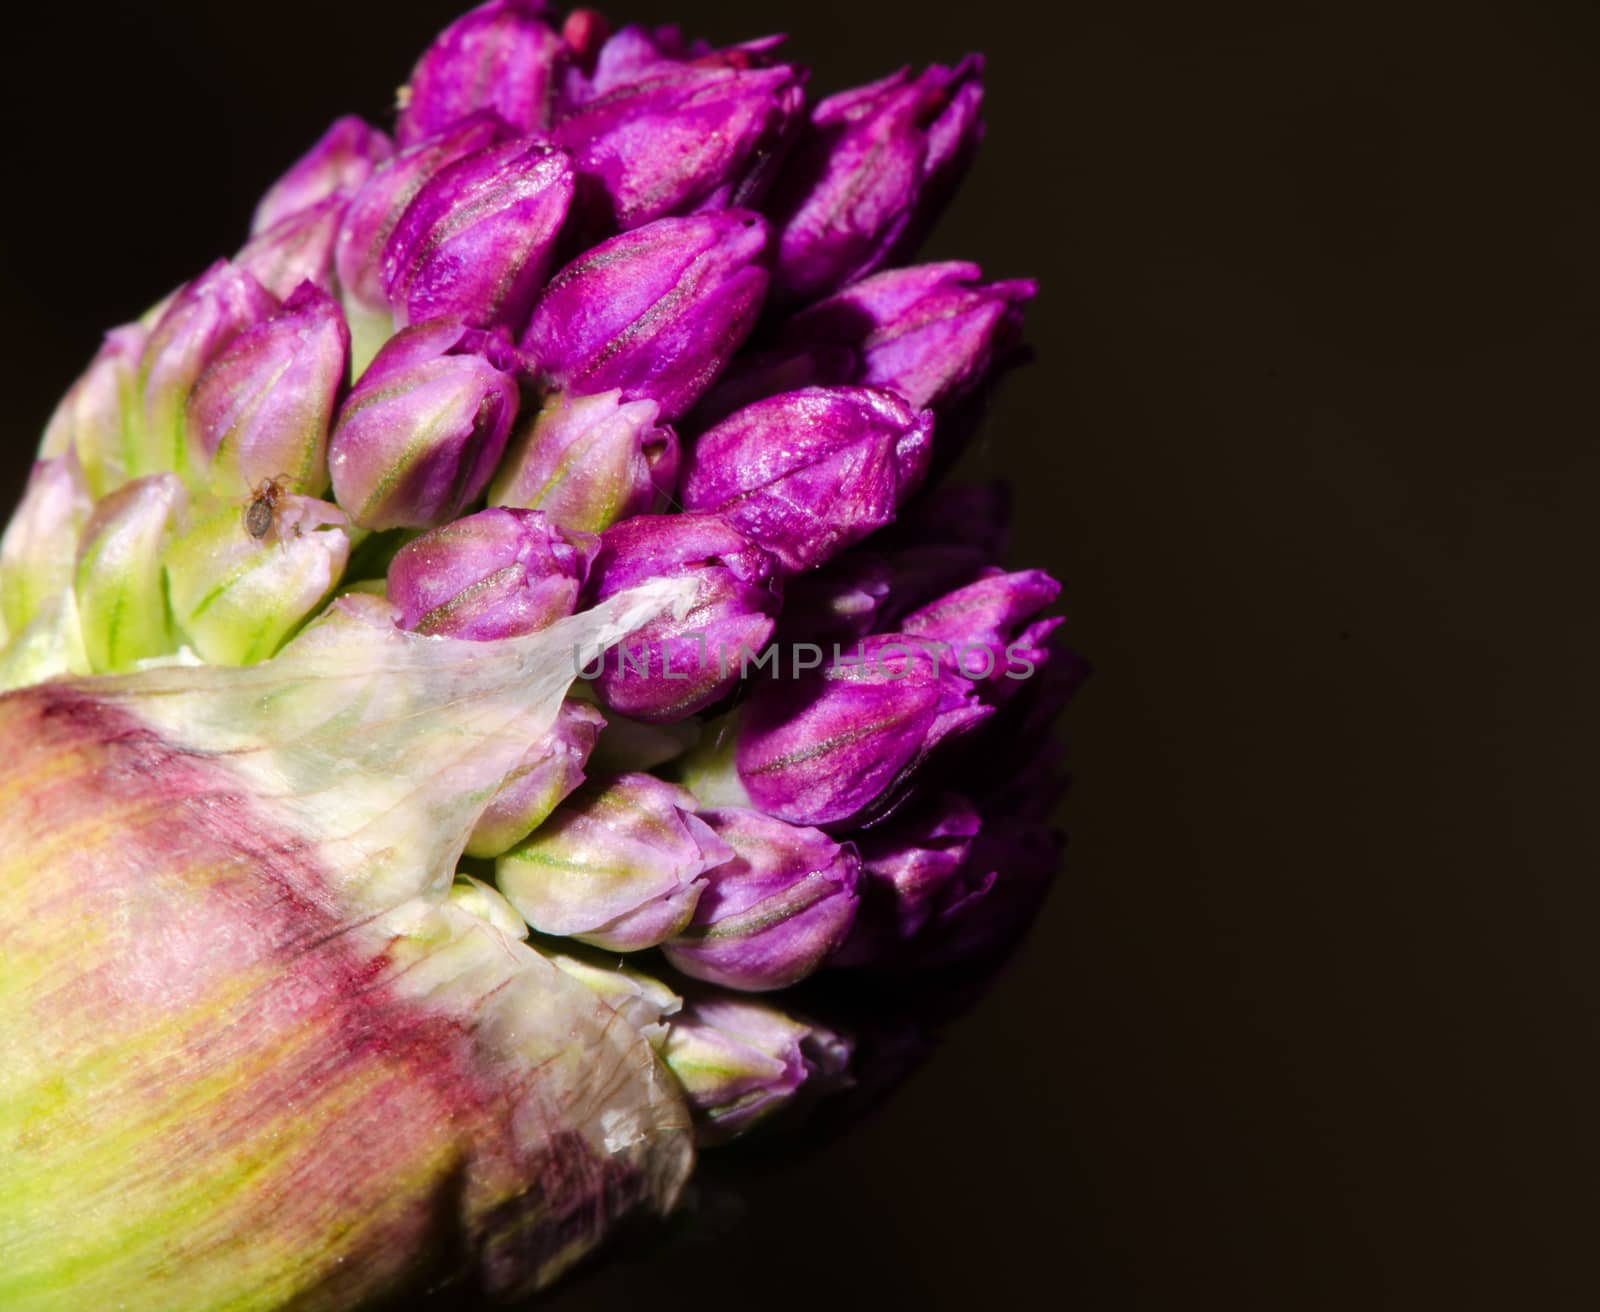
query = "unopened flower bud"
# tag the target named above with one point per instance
(475, 243)
(685, 137)
(928, 333)
(424, 427)
(296, 249)
(496, 574)
(656, 312)
(774, 913)
(742, 1062)
(907, 868)
(983, 627)
(97, 417)
(39, 549)
(262, 410)
(843, 742)
(674, 666)
(875, 165)
(376, 209)
(337, 165)
(236, 596)
(808, 473)
(197, 326)
(118, 581)
(547, 774)
(501, 56)
(588, 461)
(619, 864)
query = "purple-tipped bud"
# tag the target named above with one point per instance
(496, 574)
(808, 473)
(619, 864)
(377, 208)
(840, 600)
(589, 461)
(475, 244)
(424, 428)
(774, 913)
(983, 628)
(296, 249)
(843, 741)
(96, 417)
(672, 667)
(908, 870)
(263, 409)
(605, 62)
(656, 312)
(549, 772)
(337, 165)
(928, 333)
(197, 326)
(39, 547)
(741, 1063)
(502, 56)
(985, 910)
(874, 168)
(683, 138)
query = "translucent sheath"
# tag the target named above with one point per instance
(251, 1055)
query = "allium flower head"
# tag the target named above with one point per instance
(456, 652)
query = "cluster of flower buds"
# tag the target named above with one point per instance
(612, 311)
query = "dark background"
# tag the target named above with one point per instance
(1309, 1021)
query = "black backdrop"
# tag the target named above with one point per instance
(1308, 1021)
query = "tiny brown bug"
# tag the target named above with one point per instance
(263, 504)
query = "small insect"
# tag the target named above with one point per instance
(263, 505)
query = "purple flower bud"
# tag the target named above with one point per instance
(842, 742)
(907, 867)
(262, 410)
(196, 327)
(672, 667)
(424, 428)
(377, 208)
(38, 550)
(928, 333)
(876, 164)
(550, 771)
(619, 864)
(296, 249)
(475, 244)
(496, 574)
(840, 600)
(984, 911)
(683, 138)
(977, 626)
(636, 52)
(337, 165)
(589, 461)
(96, 417)
(774, 913)
(810, 472)
(501, 56)
(656, 312)
(741, 1063)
